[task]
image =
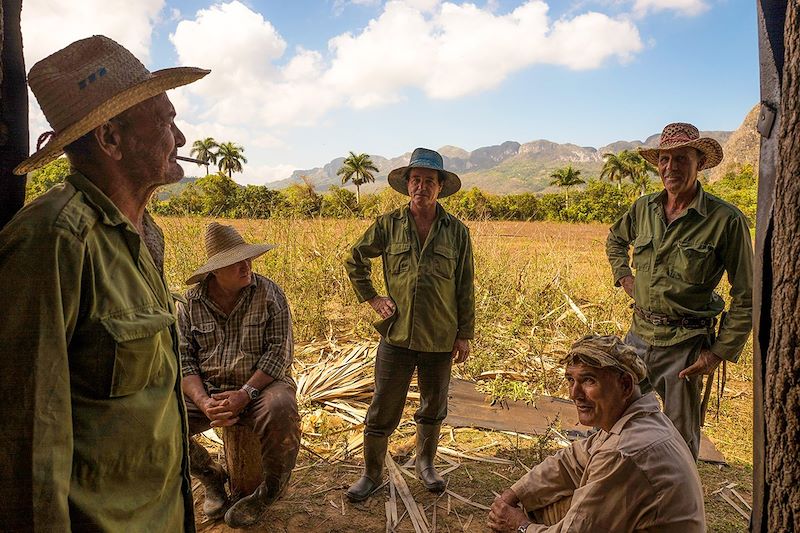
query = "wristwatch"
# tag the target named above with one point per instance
(252, 392)
(523, 528)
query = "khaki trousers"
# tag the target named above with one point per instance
(681, 397)
(274, 419)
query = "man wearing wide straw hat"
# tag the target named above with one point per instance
(683, 240)
(94, 431)
(236, 349)
(427, 319)
(634, 474)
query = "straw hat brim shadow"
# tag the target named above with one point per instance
(397, 180)
(158, 82)
(229, 257)
(707, 145)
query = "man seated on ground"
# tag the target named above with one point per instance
(236, 353)
(635, 474)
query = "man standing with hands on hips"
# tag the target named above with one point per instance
(427, 319)
(683, 240)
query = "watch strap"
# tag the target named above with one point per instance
(251, 391)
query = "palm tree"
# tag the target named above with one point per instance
(566, 177)
(359, 170)
(231, 158)
(639, 170)
(204, 150)
(614, 168)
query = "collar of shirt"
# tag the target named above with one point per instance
(645, 405)
(405, 212)
(698, 204)
(109, 213)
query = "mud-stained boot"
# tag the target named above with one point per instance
(374, 455)
(251, 509)
(427, 442)
(213, 478)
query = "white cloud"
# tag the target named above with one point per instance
(689, 8)
(49, 26)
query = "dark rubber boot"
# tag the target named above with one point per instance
(251, 509)
(374, 455)
(213, 478)
(427, 442)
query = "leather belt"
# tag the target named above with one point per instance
(660, 319)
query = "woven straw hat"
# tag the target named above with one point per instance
(87, 83)
(680, 134)
(606, 351)
(425, 158)
(225, 247)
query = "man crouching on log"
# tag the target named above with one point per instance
(635, 474)
(428, 316)
(236, 352)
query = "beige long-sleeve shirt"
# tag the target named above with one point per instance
(638, 477)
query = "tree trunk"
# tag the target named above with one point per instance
(782, 385)
(13, 110)
(243, 457)
(358, 195)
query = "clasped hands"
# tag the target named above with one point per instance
(224, 408)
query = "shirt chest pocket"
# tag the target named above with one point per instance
(642, 253)
(141, 340)
(205, 336)
(693, 262)
(398, 257)
(444, 261)
(253, 334)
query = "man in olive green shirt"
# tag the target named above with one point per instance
(94, 427)
(427, 319)
(683, 240)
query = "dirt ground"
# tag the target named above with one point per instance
(315, 499)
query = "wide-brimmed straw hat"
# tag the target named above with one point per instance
(425, 158)
(225, 247)
(87, 83)
(680, 134)
(606, 351)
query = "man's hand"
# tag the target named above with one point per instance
(224, 408)
(460, 350)
(705, 364)
(627, 284)
(505, 518)
(382, 305)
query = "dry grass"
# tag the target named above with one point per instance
(526, 276)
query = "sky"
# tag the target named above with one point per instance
(299, 83)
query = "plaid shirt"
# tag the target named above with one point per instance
(225, 350)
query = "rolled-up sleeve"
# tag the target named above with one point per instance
(738, 261)
(278, 342)
(189, 363)
(465, 290)
(621, 234)
(357, 262)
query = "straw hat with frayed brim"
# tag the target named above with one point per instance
(86, 84)
(424, 158)
(225, 247)
(679, 135)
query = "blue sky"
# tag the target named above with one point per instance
(299, 83)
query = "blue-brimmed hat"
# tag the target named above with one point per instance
(425, 158)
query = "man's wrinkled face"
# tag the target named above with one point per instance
(236, 276)
(150, 141)
(424, 187)
(599, 394)
(678, 169)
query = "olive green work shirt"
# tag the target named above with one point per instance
(94, 427)
(431, 283)
(679, 265)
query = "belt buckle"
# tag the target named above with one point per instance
(658, 320)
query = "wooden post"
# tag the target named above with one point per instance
(243, 457)
(13, 110)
